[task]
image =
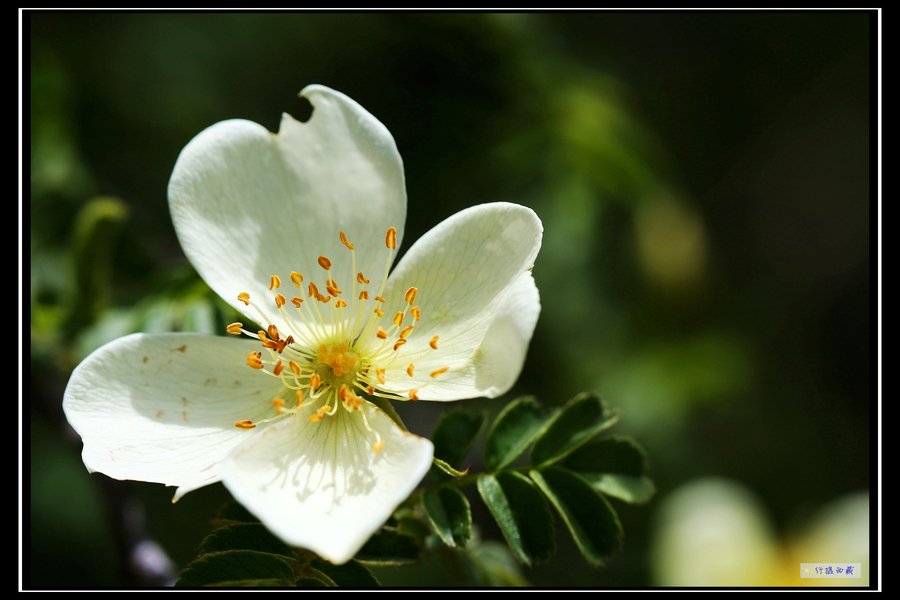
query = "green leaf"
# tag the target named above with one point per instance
(279, 583)
(513, 429)
(389, 547)
(614, 466)
(244, 536)
(233, 566)
(614, 454)
(448, 511)
(352, 574)
(591, 520)
(581, 419)
(522, 514)
(635, 490)
(452, 437)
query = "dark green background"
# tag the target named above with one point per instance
(703, 181)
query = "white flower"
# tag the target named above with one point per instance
(298, 231)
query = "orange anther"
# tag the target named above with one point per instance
(406, 331)
(414, 394)
(340, 304)
(313, 290)
(409, 370)
(379, 299)
(399, 343)
(398, 319)
(324, 263)
(433, 342)
(333, 289)
(440, 371)
(261, 334)
(364, 295)
(294, 367)
(378, 446)
(379, 312)
(274, 282)
(323, 299)
(279, 367)
(391, 239)
(296, 301)
(254, 359)
(379, 373)
(273, 332)
(315, 381)
(361, 279)
(345, 242)
(370, 389)
(414, 311)
(234, 328)
(381, 333)
(299, 397)
(280, 300)
(244, 297)
(297, 278)
(244, 425)
(278, 403)
(410, 295)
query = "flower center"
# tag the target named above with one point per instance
(334, 351)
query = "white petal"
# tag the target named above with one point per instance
(499, 359)
(162, 407)
(248, 204)
(320, 486)
(466, 269)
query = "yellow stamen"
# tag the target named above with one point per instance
(361, 279)
(414, 311)
(398, 319)
(324, 263)
(294, 367)
(315, 381)
(381, 333)
(296, 278)
(296, 301)
(273, 332)
(379, 299)
(379, 312)
(244, 297)
(234, 328)
(391, 239)
(279, 367)
(313, 290)
(340, 304)
(410, 295)
(406, 331)
(274, 282)
(399, 343)
(364, 295)
(345, 242)
(280, 300)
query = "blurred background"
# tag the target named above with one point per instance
(704, 185)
